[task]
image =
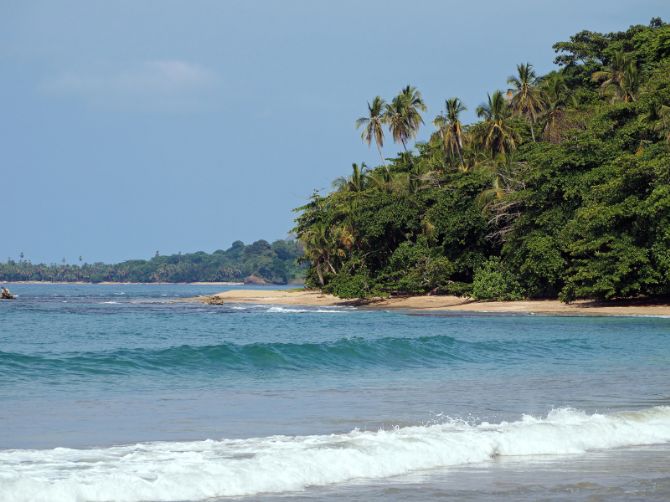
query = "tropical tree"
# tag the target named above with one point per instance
(499, 200)
(382, 179)
(622, 76)
(556, 98)
(657, 118)
(403, 115)
(526, 97)
(450, 129)
(373, 125)
(414, 104)
(317, 242)
(354, 183)
(496, 134)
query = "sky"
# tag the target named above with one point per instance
(131, 127)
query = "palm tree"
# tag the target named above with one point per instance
(499, 201)
(497, 136)
(317, 243)
(382, 179)
(413, 105)
(622, 75)
(451, 129)
(631, 82)
(345, 236)
(354, 183)
(555, 97)
(526, 98)
(402, 115)
(373, 125)
(658, 119)
(473, 156)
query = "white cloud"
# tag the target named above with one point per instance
(162, 83)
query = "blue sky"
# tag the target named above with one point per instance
(128, 127)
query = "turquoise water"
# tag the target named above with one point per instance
(124, 393)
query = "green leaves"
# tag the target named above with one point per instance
(493, 281)
(583, 211)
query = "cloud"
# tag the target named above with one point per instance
(161, 83)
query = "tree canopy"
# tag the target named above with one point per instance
(562, 189)
(275, 263)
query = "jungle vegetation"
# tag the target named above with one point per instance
(275, 263)
(561, 189)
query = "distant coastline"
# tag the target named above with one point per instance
(113, 283)
(258, 263)
(435, 303)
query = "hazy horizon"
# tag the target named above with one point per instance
(141, 126)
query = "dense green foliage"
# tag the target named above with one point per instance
(276, 263)
(562, 189)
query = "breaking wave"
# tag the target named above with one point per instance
(172, 471)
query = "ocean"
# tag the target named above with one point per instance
(124, 393)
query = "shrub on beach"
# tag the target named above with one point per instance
(494, 282)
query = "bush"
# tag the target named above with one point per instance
(358, 285)
(414, 269)
(456, 288)
(494, 282)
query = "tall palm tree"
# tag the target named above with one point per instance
(373, 125)
(413, 105)
(621, 75)
(556, 98)
(497, 136)
(403, 115)
(526, 98)
(451, 129)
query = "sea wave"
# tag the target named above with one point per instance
(172, 471)
(345, 353)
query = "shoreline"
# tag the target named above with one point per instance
(312, 298)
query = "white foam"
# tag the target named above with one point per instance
(109, 303)
(173, 471)
(285, 310)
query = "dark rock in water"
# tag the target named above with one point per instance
(254, 279)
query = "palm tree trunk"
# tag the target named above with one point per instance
(532, 131)
(460, 155)
(319, 274)
(404, 145)
(381, 156)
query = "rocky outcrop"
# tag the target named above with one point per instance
(254, 279)
(6, 295)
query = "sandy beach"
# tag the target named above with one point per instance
(441, 303)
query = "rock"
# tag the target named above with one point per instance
(254, 279)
